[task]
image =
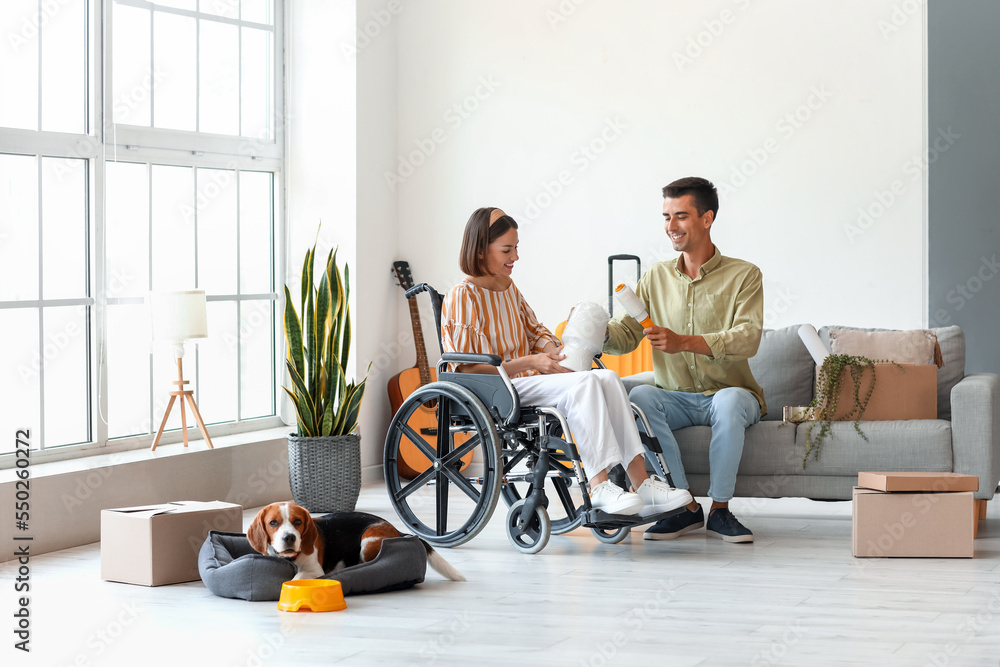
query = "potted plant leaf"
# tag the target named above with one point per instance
(823, 409)
(324, 454)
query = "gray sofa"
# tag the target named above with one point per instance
(965, 438)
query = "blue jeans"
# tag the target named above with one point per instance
(729, 412)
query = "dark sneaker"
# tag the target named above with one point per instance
(722, 524)
(676, 525)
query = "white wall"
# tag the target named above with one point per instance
(610, 67)
(334, 175)
(474, 104)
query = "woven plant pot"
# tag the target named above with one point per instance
(324, 472)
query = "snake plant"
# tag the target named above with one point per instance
(318, 347)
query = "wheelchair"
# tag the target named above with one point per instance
(480, 445)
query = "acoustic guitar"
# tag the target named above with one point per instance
(424, 421)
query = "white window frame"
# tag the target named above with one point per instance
(103, 142)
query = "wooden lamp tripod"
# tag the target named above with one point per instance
(178, 317)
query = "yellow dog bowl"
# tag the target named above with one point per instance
(311, 595)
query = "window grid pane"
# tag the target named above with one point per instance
(19, 22)
(64, 73)
(66, 374)
(132, 88)
(18, 227)
(65, 240)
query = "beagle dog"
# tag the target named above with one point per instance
(328, 543)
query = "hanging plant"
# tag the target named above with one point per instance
(824, 404)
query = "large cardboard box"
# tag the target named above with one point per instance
(158, 544)
(914, 515)
(903, 391)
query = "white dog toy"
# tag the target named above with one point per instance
(583, 336)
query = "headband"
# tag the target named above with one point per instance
(496, 215)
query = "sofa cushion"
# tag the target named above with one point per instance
(784, 368)
(914, 445)
(952, 342)
(769, 449)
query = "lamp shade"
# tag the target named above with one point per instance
(178, 316)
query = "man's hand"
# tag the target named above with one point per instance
(665, 340)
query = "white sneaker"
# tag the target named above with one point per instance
(611, 498)
(658, 496)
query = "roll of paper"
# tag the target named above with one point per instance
(813, 343)
(633, 305)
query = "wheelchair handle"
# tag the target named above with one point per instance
(435, 303)
(417, 289)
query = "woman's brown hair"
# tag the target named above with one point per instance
(478, 236)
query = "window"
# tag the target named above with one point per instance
(155, 165)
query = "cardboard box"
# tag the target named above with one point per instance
(906, 516)
(903, 391)
(918, 481)
(158, 544)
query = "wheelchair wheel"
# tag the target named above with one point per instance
(531, 537)
(426, 503)
(565, 495)
(611, 535)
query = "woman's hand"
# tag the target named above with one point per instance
(547, 362)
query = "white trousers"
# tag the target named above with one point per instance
(597, 409)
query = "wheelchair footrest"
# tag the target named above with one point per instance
(599, 519)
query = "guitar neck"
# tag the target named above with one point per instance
(418, 343)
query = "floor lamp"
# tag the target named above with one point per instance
(178, 317)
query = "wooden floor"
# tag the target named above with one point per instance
(794, 597)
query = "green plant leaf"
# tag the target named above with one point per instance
(353, 408)
(303, 401)
(302, 431)
(307, 264)
(327, 426)
(312, 352)
(293, 334)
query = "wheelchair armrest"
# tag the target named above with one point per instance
(466, 358)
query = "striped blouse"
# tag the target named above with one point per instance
(483, 321)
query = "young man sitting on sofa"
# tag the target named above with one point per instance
(708, 313)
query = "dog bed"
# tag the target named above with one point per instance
(231, 568)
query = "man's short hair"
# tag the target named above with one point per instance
(705, 196)
(478, 236)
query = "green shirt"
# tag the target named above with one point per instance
(724, 305)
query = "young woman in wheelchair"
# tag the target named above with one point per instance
(486, 314)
